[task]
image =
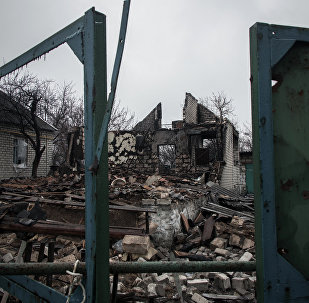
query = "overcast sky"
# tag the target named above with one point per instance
(172, 46)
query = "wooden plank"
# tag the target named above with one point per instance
(185, 222)
(60, 228)
(208, 228)
(199, 218)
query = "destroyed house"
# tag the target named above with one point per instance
(198, 145)
(16, 152)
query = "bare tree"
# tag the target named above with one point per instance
(222, 107)
(121, 118)
(26, 97)
(167, 155)
(220, 104)
(245, 138)
(66, 112)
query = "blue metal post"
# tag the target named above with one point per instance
(277, 279)
(97, 223)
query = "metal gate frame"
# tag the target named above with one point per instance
(87, 39)
(277, 279)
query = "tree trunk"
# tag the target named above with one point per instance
(35, 166)
(36, 162)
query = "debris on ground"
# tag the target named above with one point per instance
(152, 218)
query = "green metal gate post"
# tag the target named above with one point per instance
(281, 153)
(87, 39)
(97, 232)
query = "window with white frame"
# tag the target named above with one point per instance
(20, 152)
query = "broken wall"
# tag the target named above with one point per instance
(196, 113)
(152, 121)
(205, 116)
(140, 151)
(230, 177)
(190, 110)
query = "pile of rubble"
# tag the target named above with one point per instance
(229, 240)
(205, 222)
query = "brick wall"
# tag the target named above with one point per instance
(190, 110)
(140, 151)
(152, 121)
(230, 174)
(196, 113)
(205, 115)
(7, 168)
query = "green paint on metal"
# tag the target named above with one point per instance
(19, 291)
(275, 153)
(255, 96)
(101, 178)
(291, 146)
(249, 178)
(40, 268)
(178, 266)
(127, 267)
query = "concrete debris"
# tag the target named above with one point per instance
(200, 284)
(247, 256)
(234, 240)
(248, 243)
(222, 252)
(7, 258)
(222, 281)
(239, 284)
(218, 243)
(170, 214)
(136, 244)
(199, 299)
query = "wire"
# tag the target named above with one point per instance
(76, 280)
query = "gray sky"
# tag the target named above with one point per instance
(172, 46)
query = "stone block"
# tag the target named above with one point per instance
(164, 195)
(160, 290)
(246, 257)
(198, 298)
(222, 281)
(220, 258)
(139, 283)
(151, 253)
(222, 252)
(235, 240)
(152, 179)
(155, 290)
(163, 202)
(7, 258)
(183, 279)
(162, 278)
(200, 284)
(147, 279)
(236, 221)
(239, 283)
(136, 244)
(146, 202)
(218, 243)
(251, 282)
(151, 289)
(248, 243)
